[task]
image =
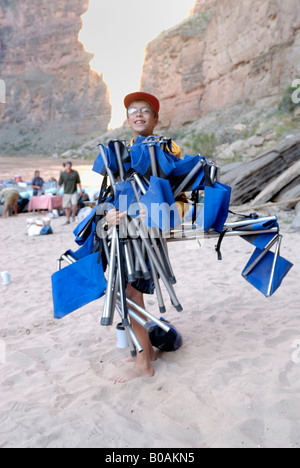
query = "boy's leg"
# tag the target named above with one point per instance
(16, 209)
(143, 362)
(141, 333)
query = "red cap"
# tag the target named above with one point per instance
(144, 97)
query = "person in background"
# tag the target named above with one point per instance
(37, 184)
(11, 197)
(69, 179)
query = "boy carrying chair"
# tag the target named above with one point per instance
(142, 119)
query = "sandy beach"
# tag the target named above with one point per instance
(226, 79)
(234, 383)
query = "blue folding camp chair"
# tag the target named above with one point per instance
(159, 201)
(77, 284)
(266, 270)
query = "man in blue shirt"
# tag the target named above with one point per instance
(37, 184)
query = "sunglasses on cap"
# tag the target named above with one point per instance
(144, 111)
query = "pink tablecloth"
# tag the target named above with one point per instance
(44, 203)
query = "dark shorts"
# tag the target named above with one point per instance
(144, 286)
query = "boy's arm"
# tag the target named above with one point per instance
(175, 150)
(181, 201)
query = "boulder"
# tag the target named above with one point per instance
(256, 140)
(249, 180)
(240, 128)
(272, 189)
(295, 226)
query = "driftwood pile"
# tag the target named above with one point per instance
(273, 176)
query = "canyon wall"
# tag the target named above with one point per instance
(227, 53)
(53, 99)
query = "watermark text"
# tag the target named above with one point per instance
(296, 93)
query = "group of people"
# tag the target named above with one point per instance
(69, 180)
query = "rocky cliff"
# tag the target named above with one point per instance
(53, 99)
(228, 52)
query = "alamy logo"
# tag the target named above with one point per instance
(2, 92)
(296, 93)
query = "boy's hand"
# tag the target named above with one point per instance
(114, 217)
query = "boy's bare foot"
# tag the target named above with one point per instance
(131, 373)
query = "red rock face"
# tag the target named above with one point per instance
(228, 52)
(51, 93)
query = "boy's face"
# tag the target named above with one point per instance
(142, 123)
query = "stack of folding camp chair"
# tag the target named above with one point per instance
(148, 176)
(265, 269)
